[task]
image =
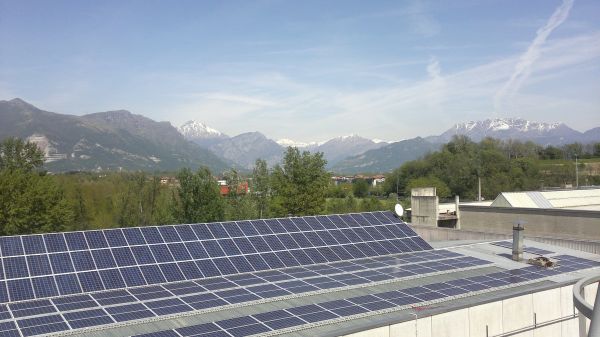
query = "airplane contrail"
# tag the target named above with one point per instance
(523, 68)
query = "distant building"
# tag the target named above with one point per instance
(169, 181)
(580, 199)
(243, 188)
(569, 218)
(377, 180)
(372, 180)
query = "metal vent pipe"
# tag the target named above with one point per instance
(517, 246)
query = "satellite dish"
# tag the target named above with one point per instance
(399, 210)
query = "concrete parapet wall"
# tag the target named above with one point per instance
(545, 222)
(424, 210)
(448, 234)
(546, 313)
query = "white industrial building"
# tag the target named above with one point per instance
(580, 199)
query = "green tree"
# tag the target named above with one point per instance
(442, 189)
(300, 183)
(551, 152)
(573, 150)
(261, 187)
(336, 191)
(596, 150)
(360, 188)
(16, 154)
(81, 217)
(197, 198)
(370, 204)
(455, 169)
(240, 205)
(30, 201)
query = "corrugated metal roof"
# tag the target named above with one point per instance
(539, 199)
(573, 198)
(589, 198)
(518, 199)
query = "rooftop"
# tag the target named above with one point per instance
(580, 199)
(318, 276)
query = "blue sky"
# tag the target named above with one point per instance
(308, 70)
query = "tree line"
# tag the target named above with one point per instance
(500, 165)
(33, 201)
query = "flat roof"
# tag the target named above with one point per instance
(497, 254)
(388, 275)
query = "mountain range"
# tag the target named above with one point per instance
(115, 140)
(513, 128)
(355, 154)
(393, 155)
(245, 148)
(111, 140)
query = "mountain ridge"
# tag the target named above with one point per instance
(110, 140)
(234, 148)
(121, 139)
(512, 128)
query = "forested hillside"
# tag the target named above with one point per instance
(501, 165)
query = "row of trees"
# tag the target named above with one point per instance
(519, 149)
(32, 201)
(501, 166)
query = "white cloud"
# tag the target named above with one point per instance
(524, 67)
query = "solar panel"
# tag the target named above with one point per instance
(532, 250)
(372, 303)
(140, 273)
(159, 300)
(39, 266)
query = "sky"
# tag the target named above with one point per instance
(308, 70)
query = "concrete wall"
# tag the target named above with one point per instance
(563, 222)
(423, 192)
(424, 210)
(448, 234)
(424, 205)
(545, 314)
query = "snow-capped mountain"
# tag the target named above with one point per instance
(500, 124)
(201, 133)
(512, 128)
(285, 142)
(339, 148)
(244, 149)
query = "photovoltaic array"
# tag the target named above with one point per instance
(60, 282)
(123, 305)
(41, 266)
(267, 322)
(532, 250)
